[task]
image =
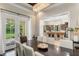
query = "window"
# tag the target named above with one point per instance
(10, 28)
(22, 28)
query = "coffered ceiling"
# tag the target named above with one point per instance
(36, 7)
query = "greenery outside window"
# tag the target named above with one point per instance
(10, 28)
(22, 28)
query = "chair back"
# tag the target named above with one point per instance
(28, 51)
(19, 49)
(24, 50)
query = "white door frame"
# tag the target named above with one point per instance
(28, 29)
(4, 16)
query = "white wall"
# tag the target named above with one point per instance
(29, 29)
(33, 21)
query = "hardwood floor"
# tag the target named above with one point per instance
(52, 50)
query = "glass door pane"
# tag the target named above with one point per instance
(10, 28)
(22, 28)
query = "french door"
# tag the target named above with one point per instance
(9, 26)
(13, 26)
(25, 27)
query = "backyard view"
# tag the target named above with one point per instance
(10, 28)
(22, 28)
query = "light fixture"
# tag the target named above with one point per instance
(40, 6)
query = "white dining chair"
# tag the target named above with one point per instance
(19, 49)
(28, 51)
(38, 54)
